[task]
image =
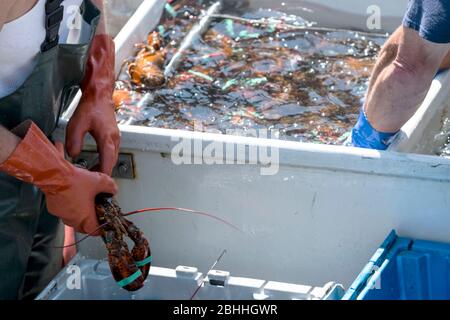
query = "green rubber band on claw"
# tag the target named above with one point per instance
(130, 279)
(144, 262)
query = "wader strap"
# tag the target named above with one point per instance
(54, 14)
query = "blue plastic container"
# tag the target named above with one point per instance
(404, 269)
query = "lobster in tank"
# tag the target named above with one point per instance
(147, 68)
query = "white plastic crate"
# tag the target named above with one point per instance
(96, 283)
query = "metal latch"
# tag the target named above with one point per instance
(124, 168)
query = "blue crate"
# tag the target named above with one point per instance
(404, 269)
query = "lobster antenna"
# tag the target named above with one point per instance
(153, 210)
(201, 213)
(84, 238)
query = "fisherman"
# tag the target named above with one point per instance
(405, 68)
(39, 74)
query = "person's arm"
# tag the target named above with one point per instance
(399, 83)
(9, 142)
(27, 154)
(95, 113)
(446, 63)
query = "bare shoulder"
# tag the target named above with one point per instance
(12, 9)
(5, 7)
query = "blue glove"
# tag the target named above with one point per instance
(363, 135)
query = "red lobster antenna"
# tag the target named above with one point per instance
(155, 210)
(200, 213)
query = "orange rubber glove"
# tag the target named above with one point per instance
(96, 112)
(70, 191)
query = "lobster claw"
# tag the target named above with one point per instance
(129, 269)
(141, 251)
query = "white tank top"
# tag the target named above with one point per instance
(21, 39)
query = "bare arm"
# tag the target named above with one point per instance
(8, 143)
(401, 79)
(446, 63)
(389, 53)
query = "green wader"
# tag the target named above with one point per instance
(28, 233)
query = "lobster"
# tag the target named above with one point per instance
(129, 269)
(147, 68)
(121, 97)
